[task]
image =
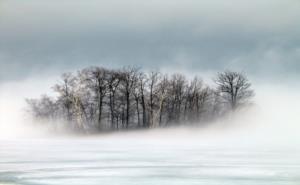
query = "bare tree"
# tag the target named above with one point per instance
(192, 95)
(129, 76)
(97, 97)
(113, 84)
(137, 97)
(162, 91)
(234, 88)
(178, 85)
(142, 80)
(153, 78)
(65, 91)
(44, 108)
(97, 82)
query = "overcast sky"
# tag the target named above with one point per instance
(48, 37)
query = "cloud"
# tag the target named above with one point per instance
(260, 37)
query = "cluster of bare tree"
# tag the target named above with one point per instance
(101, 99)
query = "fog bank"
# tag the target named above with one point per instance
(273, 119)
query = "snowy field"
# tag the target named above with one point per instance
(142, 161)
(254, 149)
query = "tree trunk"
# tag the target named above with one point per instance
(127, 108)
(138, 112)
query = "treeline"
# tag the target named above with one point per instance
(98, 99)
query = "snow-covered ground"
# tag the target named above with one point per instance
(259, 147)
(138, 160)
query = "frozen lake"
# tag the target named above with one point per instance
(109, 161)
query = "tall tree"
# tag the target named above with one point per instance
(162, 89)
(178, 85)
(153, 78)
(129, 76)
(113, 84)
(142, 80)
(97, 80)
(234, 88)
(65, 89)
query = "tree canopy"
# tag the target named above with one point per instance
(99, 99)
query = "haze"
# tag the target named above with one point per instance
(41, 39)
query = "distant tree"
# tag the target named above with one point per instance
(113, 84)
(191, 99)
(129, 79)
(81, 99)
(234, 88)
(142, 81)
(162, 93)
(152, 82)
(65, 89)
(44, 108)
(97, 82)
(178, 83)
(137, 94)
(96, 98)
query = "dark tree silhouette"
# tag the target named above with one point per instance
(234, 88)
(98, 99)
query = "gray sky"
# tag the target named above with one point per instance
(48, 37)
